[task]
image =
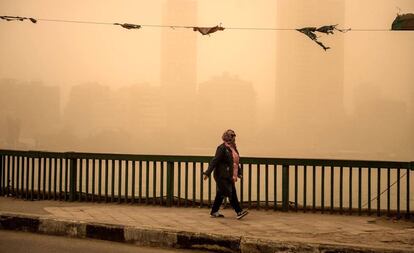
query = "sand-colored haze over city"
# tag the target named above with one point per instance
(160, 90)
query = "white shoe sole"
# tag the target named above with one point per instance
(241, 216)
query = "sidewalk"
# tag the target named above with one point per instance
(260, 231)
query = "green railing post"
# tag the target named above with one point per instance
(285, 188)
(170, 183)
(72, 178)
(1, 174)
(408, 189)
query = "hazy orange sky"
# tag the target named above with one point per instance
(53, 52)
(67, 54)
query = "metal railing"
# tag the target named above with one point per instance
(344, 186)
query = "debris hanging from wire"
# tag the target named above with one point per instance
(14, 18)
(208, 30)
(128, 26)
(327, 29)
(403, 22)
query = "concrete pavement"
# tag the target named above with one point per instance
(260, 231)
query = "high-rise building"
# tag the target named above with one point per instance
(28, 111)
(179, 70)
(224, 102)
(309, 80)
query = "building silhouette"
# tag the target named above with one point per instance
(179, 71)
(309, 81)
(90, 107)
(29, 111)
(382, 125)
(128, 119)
(224, 102)
(143, 109)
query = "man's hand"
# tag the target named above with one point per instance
(235, 179)
(205, 177)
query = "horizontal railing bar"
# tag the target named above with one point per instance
(34, 154)
(326, 162)
(244, 160)
(108, 156)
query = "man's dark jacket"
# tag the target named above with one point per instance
(222, 164)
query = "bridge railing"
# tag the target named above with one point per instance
(316, 185)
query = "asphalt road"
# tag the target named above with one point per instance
(22, 242)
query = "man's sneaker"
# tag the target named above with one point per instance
(216, 215)
(241, 214)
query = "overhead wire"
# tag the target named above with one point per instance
(310, 32)
(191, 26)
(74, 21)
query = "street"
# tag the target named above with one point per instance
(22, 242)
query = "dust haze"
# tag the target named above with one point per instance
(103, 88)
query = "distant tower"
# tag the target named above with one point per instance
(309, 81)
(179, 71)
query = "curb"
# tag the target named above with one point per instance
(168, 238)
